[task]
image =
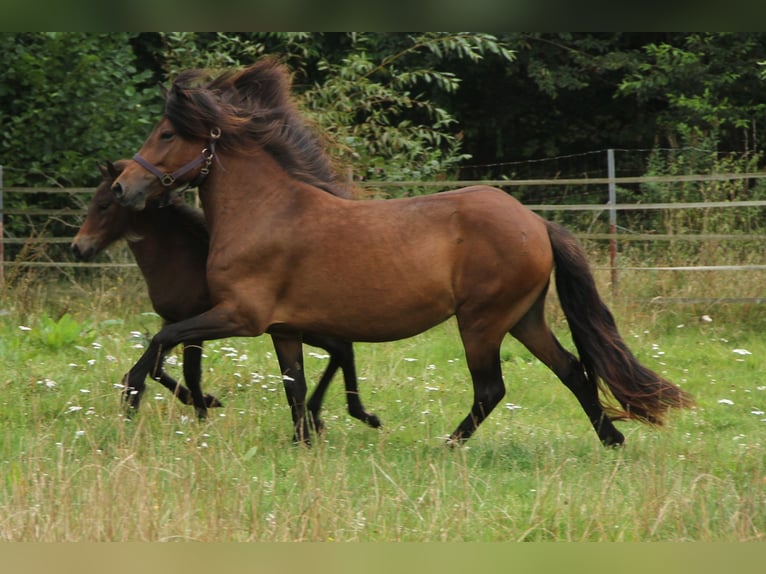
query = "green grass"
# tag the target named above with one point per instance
(73, 468)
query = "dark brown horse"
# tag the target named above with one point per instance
(289, 256)
(170, 245)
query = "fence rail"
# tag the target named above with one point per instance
(611, 206)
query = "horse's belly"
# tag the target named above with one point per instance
(366, 315)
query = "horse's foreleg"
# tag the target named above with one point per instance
(217, 323)
(289, 349)
(134, 381)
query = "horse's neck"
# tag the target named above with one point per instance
(253, 187)
(156, 238)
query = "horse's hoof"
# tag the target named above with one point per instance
(613, 440)
(302, 439)
(211, 402)
(373, 421)
(317, 425)
(131, 398)
(454, 442)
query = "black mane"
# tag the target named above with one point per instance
(253, 107)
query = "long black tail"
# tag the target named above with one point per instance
(642, 393)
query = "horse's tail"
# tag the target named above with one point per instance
(606, 359)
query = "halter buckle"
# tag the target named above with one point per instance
(167, 180)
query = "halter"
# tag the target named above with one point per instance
(204, 159)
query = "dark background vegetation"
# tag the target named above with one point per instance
(408, 106)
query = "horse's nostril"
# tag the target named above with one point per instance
(117, 189)
(76, 251)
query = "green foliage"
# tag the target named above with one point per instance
(63, 333)
(708, 83)
(179, 51)
(381, 107)
(396, 105)
(67, 101)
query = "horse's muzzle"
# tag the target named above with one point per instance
(134, 200)
(81, 254)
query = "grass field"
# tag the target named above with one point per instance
(73, 468)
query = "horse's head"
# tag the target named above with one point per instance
(165, 162)
(106, 221)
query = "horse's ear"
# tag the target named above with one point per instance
(111, 171)
(177, 90)
(104, 168)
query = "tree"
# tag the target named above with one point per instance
(380, 102)
(570, 93)
(67, 101)
(706, 86)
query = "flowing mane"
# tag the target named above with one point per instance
(253, 106)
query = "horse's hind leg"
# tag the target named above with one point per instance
(179, 391)
(341, 356)
(483, 360)
(314, 404)
(534, 333)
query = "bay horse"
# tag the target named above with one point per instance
(289, 255)
(170, 245)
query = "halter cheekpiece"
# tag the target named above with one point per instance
(204, 159)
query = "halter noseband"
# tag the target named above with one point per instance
(204, 159)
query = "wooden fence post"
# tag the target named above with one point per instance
(612, 218)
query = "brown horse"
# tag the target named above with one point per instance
(170, 246)
(289, 256)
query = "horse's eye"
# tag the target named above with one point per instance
(104, 206)
(167, 135)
